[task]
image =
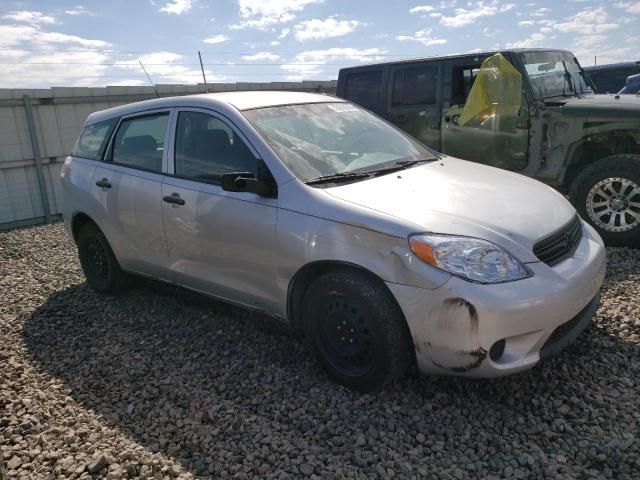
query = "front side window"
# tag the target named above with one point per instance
(365, 88)
(328, 138)
(139, 142)
(463, 79)
(93, 139)
(206, 148)
(415, 85)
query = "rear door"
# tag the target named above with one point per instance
(219, 242)
(127, 189)
(414, 100)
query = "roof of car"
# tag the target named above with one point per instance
(632, 84)
(454, 56)
(246, 100)
(611, 66)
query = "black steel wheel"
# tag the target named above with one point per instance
(98, 262)
(356, 330)
(345, 335)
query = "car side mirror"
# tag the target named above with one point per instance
(264, 185)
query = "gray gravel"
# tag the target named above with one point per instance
(161, 383)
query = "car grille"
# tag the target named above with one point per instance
(565, 328)
(561, 244)
(567, 332)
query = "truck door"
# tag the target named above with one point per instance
(486, 117)
(413, 100)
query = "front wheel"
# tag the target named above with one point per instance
(607, 195)
(356, 330)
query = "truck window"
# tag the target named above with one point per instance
(462, 81)
(365, 88)
(415, 85)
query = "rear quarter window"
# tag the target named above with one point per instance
(93, 139)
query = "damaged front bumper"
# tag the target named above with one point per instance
(476, 330)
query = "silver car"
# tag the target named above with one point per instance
(313, 210)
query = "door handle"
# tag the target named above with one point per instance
(401, 119)
(104, 183)
(173, 198)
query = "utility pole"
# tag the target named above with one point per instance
(149, 78)
(206, 87)
(42, 185)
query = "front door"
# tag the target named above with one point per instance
(485, 117)
(219, 242)
(127, 188)
(414, 103)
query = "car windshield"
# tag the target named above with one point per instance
(632, 85)
(322, 139)
(555, 74)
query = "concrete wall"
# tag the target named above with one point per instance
(58, 117)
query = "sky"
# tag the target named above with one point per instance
(98, 43)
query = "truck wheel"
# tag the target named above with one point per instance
(356, 330)
(607, 195)
(98, 262)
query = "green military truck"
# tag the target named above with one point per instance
(531, 111)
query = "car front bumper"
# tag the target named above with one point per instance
(454, 327)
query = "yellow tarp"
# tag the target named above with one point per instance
(497, 90)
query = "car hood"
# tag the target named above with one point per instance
(457, 197)
(607, 107)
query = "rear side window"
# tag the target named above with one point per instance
(93, 140)
(365, 88)
(139, 142)
(415, 85)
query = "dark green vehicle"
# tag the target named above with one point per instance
(531, 111)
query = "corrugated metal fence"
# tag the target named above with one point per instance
(38, 128)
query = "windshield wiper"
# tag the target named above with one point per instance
(337, 178)
(348, 176)
(399, 165)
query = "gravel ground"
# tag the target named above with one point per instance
(161, 383)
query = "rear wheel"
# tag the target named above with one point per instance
(607, 195)
(356, 330)
(98, 262)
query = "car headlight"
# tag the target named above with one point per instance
(470, 258)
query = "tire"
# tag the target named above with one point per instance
(98, 262)
(356, 330)
(611, 185)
